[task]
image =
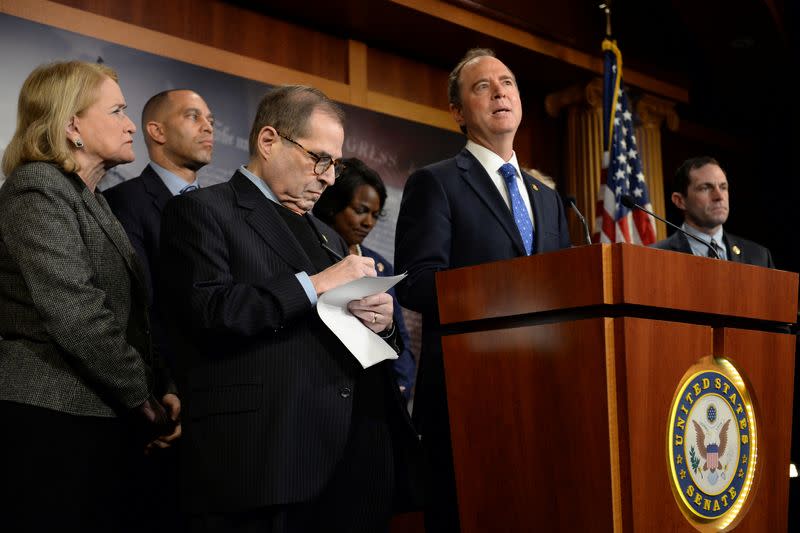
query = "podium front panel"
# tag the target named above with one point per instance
(530, 427)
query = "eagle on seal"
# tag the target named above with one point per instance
(712, 452)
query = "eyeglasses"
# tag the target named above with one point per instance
(321, 162)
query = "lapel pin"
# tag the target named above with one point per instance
(379, 267)
(736, 250)
(535, 187)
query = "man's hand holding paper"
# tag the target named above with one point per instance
(361, 302)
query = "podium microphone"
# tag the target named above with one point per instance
(570, 201)
(628, 201)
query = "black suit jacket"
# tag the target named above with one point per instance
(739, 250)
(138, 204)
(267, 388)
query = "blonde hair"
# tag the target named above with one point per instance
(51, 95)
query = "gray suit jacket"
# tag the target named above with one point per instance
(73, 306)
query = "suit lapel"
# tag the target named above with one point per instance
(97, 206)
(474, 174)
(268, 224)
(331, 237)
(680, 243)
(537, 206)
(730, 244)
(155, 188)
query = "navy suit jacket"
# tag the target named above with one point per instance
(739, 250)
(267, 388)
(451, 216)
(138, 204)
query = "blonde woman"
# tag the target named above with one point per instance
(80, 389)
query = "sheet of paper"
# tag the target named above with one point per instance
(367, 347)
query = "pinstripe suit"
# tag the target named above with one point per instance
(72, 299)
(267, 388)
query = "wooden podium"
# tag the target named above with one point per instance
(561, 369)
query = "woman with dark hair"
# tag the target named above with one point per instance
(80, 387)
(352, 206)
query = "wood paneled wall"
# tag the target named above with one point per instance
(231, 28)
(272, 50)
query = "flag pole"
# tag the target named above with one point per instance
(606, 7)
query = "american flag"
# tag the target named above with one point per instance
(622, 166)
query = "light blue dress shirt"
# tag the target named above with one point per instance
(302, 277)
(172, 181)
(699, 249)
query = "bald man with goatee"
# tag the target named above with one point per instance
(178, 130)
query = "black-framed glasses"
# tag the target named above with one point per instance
(321, 162)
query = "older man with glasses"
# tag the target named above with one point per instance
(285, 431)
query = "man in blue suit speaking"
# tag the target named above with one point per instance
(474, 208)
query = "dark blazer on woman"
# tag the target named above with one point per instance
(405, 367)
(73, 307)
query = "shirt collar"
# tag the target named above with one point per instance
(172, 181)
(699, 249)
(258, 182)
(489, 160)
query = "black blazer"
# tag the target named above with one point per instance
(739, 250)
(138, 204)
(267, 388)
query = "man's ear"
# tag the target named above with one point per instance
(155, 130)
(458, 116)
(267, 138)
(679, 201)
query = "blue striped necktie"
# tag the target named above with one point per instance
(518, 209)
(188, 188)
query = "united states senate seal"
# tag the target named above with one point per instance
(712, 444)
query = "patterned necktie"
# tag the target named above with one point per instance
(188, 188)
(717, 250)
(518, 209)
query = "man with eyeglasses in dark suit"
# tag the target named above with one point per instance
(284, 430)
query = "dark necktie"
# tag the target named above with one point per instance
(518, 210)
(188, 188)
(717, 254)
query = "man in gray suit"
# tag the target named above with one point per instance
(700, 190)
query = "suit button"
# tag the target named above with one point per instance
(345, 392)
